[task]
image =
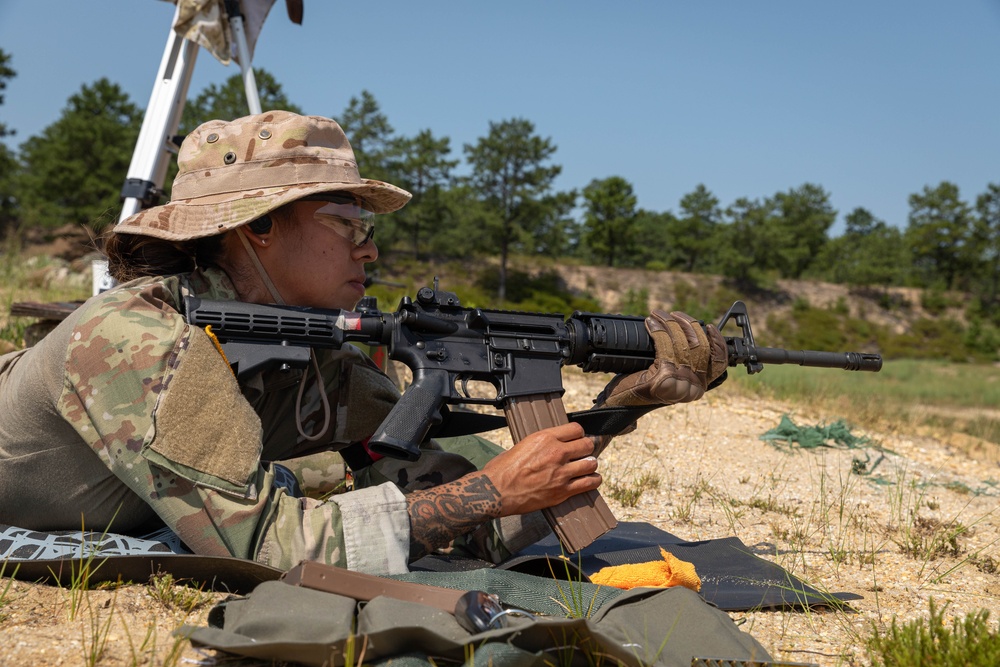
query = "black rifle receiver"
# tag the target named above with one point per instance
(447, 346)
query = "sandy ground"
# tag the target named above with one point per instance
(922, 524)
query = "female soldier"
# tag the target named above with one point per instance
(126, 415)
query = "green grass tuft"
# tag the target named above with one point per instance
(929, 642)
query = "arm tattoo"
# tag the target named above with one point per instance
(440, 514)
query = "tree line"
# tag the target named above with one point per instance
(498, 198)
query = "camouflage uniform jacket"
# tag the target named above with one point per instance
(126, 411)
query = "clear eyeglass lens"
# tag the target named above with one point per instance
(349, 220)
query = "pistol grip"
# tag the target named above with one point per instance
(407, 424)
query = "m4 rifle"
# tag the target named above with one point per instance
(448, 346)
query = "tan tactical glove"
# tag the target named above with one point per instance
(689, 358)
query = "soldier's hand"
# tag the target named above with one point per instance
(689, 358)
(544, 469)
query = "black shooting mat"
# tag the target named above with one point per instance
(732, 577)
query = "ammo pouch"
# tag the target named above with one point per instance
(572, 623)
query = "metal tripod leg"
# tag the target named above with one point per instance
(151, 156)
(243, 54)
(154, 147)
(146, 173)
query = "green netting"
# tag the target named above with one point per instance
(788, 434)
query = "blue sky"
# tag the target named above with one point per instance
(871, 100)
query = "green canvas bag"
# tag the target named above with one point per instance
(664, 627)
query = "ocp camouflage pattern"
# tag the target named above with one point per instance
(129, 348)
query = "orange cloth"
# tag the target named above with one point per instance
(671, 571)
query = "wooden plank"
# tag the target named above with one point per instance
(49, 311)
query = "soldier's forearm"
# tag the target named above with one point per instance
(440, 514)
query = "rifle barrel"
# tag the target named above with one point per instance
(848, 361)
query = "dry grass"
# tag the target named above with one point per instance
(119, 625)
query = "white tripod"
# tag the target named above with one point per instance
(157, 140)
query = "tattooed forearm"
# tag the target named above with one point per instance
(440, 514)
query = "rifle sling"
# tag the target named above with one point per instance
(596, 421)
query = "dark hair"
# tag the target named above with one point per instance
(132, 256)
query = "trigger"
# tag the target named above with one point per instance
(465, 387)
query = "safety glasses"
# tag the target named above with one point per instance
(344, 215)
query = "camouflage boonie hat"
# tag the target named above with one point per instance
(233, 172)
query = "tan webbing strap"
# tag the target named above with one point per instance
(364, 587)
(324, 401)
(266, 279)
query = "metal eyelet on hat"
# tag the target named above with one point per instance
(212, 138)
(265, 134)
(229, 158)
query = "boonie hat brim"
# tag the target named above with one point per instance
(233, 172)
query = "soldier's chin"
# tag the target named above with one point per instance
(357, 291)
